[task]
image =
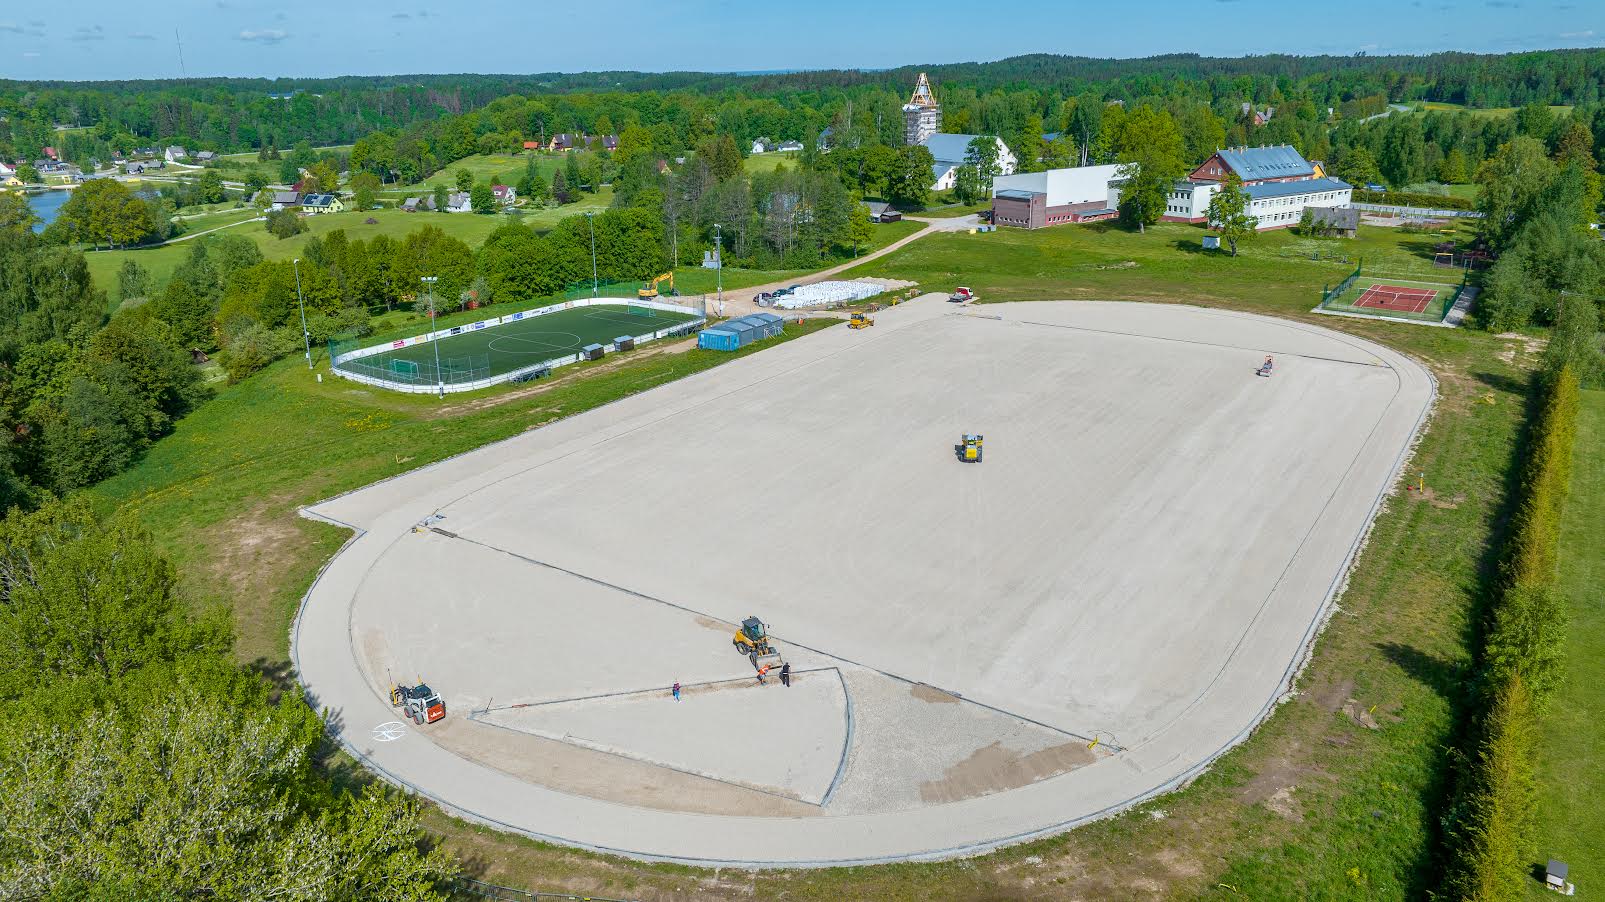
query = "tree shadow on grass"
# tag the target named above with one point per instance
(1503, 382)
(1195, 247)
(279, 674)
(1446, 678)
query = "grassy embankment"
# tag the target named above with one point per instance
(1318, 804)
(1571, 789)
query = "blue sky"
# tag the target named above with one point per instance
(99, 39)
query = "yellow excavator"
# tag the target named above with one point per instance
(650, 290)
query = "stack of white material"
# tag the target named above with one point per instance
(828, 294)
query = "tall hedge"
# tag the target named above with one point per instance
(1493, 832)
(1490, 825)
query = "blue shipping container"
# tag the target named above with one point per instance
(718, 340)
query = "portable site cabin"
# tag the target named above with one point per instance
(718, 338)
(740, 332)
(624, 343)
(745, 329)
(768, 324)
(591, 352)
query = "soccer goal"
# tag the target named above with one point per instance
(406, 369)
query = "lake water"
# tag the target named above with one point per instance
(46, 204)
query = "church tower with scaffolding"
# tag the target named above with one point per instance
(922, 115)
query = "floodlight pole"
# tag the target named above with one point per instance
(590, 219)
(434, 335)
(306, 337)
(718, 263)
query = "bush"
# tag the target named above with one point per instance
(285, 224)
(1412, 199)
(253, 348)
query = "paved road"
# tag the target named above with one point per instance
(1268, 489)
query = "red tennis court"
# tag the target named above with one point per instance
(1394, 297)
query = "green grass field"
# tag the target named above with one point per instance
(506, 166)
(237, 167)
(1571, 793)
(769, 162)
(482, 354)
(952, 210)
(1276, 271)
(1433, 106)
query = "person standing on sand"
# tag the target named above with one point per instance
(785, 674)
(761, 671)
(676, 690)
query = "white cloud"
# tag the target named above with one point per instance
(142, 36)
(12, 27)
(1578, 34)
(263, 35)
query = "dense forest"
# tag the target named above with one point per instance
(244, 114)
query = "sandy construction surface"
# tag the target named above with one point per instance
(986, 652)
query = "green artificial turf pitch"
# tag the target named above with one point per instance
(511, 346)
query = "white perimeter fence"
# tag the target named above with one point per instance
(1416, 212)
(511, 375)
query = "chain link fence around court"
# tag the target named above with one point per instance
(1343, 297)
(455, 370)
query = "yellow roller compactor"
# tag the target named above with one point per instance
(969, 448)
